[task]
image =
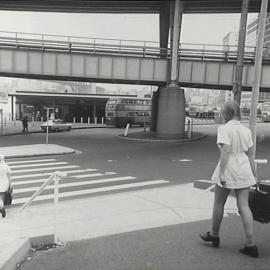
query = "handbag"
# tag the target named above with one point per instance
(8, 197)
(259, 203)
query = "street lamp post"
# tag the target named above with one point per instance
(257, 72)
(47, 128)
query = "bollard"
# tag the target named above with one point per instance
(126, 130)
(95, 120)
(102, 120)
(41, 119)
(88, 120)
(144, 125)
(74, 120)
(189, 128)
(81, 120)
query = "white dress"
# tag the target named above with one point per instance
(4, 182)
(238, 173)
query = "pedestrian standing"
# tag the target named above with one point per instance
(235, 170)
(25, 124)
(5, 183)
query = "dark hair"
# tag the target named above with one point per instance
(231, 110)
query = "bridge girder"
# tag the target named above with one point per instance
(103, 6)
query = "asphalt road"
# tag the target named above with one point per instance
(174, 161)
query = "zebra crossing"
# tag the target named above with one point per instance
(28, 175)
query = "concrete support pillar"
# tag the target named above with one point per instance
(171, 113)
(154, 110)
(237, 85)
(164, 25)
(177, 23)
(171, 100)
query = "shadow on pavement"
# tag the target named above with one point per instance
(167, 248)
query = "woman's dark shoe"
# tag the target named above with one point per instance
(3, 211)
(206, 236)
(250, 251)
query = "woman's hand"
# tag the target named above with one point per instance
(222, 180)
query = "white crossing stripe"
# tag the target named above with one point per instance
(92, 175)
(38, 165)
(45, 169)
(34, 181)
(93, 190)
(42, 174)
(75, 184)
(30, 161)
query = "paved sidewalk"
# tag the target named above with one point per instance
(15, 127)
(106, 215)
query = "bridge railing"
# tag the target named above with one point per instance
(89, 45)
(81, 44)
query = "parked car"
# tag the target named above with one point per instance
(56, 125)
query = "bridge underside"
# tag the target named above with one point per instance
(102, 6)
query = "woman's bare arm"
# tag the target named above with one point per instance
(224, 157)
(252, 162)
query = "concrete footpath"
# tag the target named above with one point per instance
(15, 127)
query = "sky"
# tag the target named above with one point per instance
(199, 28)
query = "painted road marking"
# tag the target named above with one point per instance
(38, 165)
(91, 175)
(75, 184)
(94, 190)
(29, 161)
(42, 174)
(45, 169)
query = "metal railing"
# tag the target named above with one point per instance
(55, 177)
(137, 48)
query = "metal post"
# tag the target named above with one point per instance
(126, 130)
(2, 128)
(176, 37)
(257, 72)
(47, 128)
(56, 203)
(237, 85)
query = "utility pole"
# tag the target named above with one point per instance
(257, 72)
(237, 85)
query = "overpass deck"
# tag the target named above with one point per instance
(124, 61)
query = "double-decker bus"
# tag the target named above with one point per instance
(265, 111)
(122, 111)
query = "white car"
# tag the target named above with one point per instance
(56, 125)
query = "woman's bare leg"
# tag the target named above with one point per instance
(221, 195)
(246, 215)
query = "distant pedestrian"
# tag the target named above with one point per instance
(235, 170)
(5, 183)
(25, 124)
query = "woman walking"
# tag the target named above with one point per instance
(5, 183)
(235, 170)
